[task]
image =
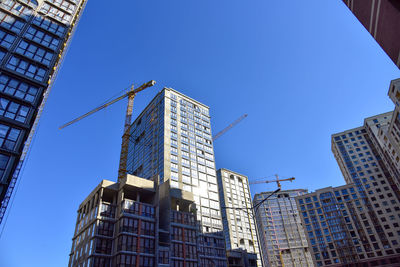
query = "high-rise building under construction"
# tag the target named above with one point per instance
(282, 237)
(34, 36)
(172, 138)
(171, 186)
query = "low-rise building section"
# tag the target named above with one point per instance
(340, 229)
(136, 223)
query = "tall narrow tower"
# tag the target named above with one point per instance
(237, 216)
(172, 138)
(34, 36)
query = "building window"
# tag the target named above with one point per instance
(34, 52)
(6, 39)
(64, 5)
(10, 22)
(18, 89)
(55, 13)
(42, 38)
(32, 3)
(8, 136)
(3, 164)
(49, 25)
(26, 68)
(16, 8)
(13, 110)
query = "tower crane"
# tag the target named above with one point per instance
(277, 181)
(128, 116)
(229, 127)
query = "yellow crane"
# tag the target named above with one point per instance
(128, 116)
(277, 181)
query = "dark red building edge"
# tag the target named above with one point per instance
(382, 19)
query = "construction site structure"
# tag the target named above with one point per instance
(135, 222)
(230, 126)
(25, 82)
(128, 117)
(281, 233)
(170, 153)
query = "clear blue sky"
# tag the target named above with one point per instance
(302, 70)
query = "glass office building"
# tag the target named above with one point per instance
(34, 36)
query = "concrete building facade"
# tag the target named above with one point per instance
(341, 230)
(282, 238)
(172, 138)
(382, 20)
(237, 216)
(136, 222)
(390, 136)
(34, 36)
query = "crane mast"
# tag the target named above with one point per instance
(128, 117)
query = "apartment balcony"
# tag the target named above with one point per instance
(185, 218)
(107, 210)
(138, 208)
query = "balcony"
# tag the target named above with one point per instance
(138, 208)
(182, 218)
(107, 210)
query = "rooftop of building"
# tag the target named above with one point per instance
(386, 114)
(232, 172)
(330, 188)
(185, 96)
(162, 92)
(282, 191)
(131, 181)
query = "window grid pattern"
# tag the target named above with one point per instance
(49, 25)
(65, 5)
(12, 110)
(56, 13)
(6, 39)
(8, 137)
(34, 52)
(18, 89)
(31, 3)
(26, 68)
(16, 8)
(42, 38)
(10, 22)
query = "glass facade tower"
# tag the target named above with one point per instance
(172, 138)
(34, 35)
